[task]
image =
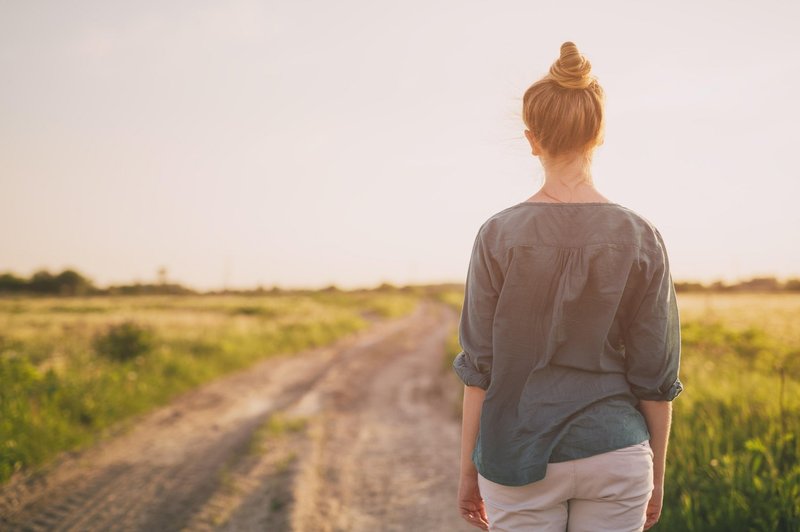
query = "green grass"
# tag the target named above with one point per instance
(734, 452)
(384, 304)
(71, 368)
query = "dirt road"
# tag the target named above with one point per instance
(361, 435)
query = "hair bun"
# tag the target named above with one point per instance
(572, 70)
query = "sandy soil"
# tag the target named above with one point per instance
(376, 447)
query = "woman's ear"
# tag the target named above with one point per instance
(532, 141)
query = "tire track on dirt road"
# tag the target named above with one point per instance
(385, 449)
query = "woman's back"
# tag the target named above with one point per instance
(569, 318)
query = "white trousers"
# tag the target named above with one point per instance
(604, 492)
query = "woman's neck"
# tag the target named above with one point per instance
(567, 173)
(568, 181)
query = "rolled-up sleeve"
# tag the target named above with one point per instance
(473, 364)
(653, 337)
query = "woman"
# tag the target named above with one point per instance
(571, 340)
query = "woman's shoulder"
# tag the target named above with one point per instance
(650, 234)
(621, 222)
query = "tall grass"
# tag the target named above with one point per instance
(734, 453)
(72, 368)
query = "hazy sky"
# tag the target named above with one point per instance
(355, 142)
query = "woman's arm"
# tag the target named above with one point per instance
(473, 365)
(470, 502)
(658, 415)
(471, 419)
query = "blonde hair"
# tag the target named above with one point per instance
(565, 109)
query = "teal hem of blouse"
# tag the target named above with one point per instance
(537, 472)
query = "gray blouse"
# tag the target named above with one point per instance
(569, 318)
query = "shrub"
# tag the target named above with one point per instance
(124, 341)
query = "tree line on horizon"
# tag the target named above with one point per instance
(72, 283)
(754, 284)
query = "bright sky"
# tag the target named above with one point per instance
(307, 143)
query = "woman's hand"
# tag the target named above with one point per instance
(470, 502)
(653, 511)
(658, 415)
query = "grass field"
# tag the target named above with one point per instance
(734, 453)
(72, 367)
